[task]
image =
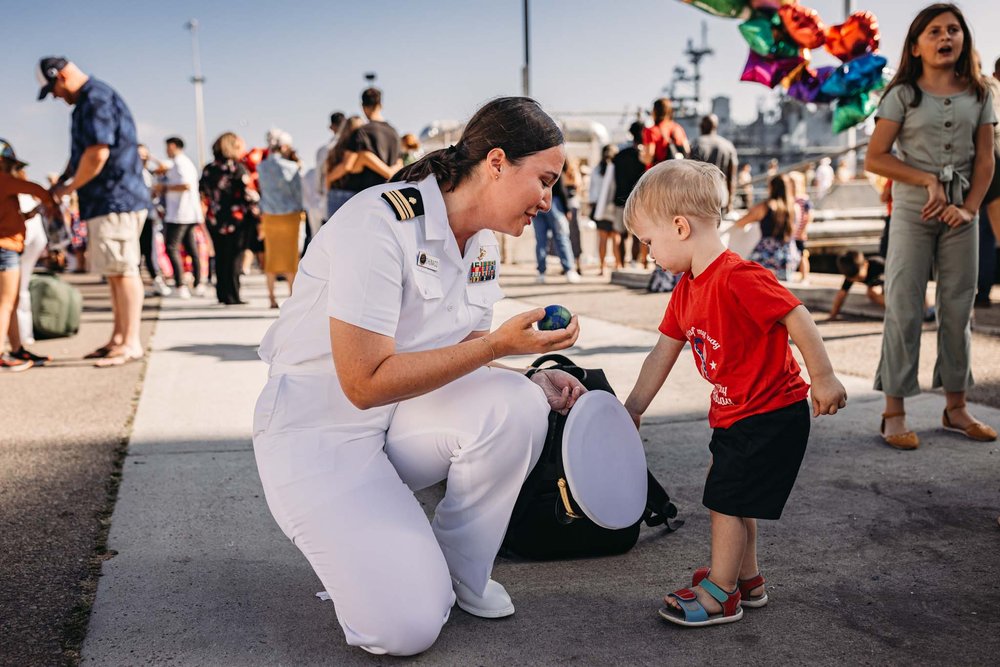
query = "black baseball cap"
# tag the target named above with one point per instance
(48, 68)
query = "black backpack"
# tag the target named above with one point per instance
(547, 523)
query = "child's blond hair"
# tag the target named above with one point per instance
(695, 190)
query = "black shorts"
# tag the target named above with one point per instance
(605, 225)
(800, 244)
(755, 462)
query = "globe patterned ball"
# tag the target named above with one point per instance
(556, 317)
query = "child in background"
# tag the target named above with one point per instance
(12, 232)
(856, 269)
(803, 217)
(737, 318)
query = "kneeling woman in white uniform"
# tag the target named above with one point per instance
(383, 381)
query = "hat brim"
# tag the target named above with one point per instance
(18, 164)
(45, 90)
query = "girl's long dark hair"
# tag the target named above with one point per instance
(911, 68)
(782, 205)
(516, 124)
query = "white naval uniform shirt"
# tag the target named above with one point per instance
(364, 268)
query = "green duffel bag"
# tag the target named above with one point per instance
(55, 306)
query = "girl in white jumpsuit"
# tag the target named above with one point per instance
(381, 384)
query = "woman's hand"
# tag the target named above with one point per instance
(937, 200)
(955, 216)
(518, 335)
(636, 417)
(561, 389)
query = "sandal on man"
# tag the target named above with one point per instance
(692, 614)
(99, 353)
(745, 586)
(119, 358)
(974, 431)
(908, 440)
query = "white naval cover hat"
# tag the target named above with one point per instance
(604, 461)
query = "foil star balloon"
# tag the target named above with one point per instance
(758, 34)
(768, 71)
(803, 25)
(852, 110)
(807, 87)
(860, 75)
(735, 9)
(856, 36)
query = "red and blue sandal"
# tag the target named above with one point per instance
(745, 585)
(692, 614)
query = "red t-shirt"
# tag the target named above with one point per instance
(11, 220)
(730, 314)
(662, 135)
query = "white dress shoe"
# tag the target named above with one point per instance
(494, 603)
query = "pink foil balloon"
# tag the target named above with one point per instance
(768, 71)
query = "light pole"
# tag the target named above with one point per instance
(199, 100)
(525, 71)
(852, 134)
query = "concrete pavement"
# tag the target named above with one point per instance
(881, 557)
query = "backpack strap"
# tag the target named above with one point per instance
(561, 363)
(659, 510)
(558, 358)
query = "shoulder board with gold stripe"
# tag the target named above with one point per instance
(405, 203)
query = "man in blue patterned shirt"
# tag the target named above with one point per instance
(105, 171)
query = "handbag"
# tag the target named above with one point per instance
(547, 523)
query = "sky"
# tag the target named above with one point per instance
(288, 65)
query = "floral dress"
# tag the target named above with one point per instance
(232, 202)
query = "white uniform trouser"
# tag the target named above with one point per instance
(34, 244)
(339, 482)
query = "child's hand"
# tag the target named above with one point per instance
(828, 395)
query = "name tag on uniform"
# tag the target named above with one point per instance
(428, 262)
(480, 272)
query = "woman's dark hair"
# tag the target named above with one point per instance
(515, 124)
(662, 110)
(850, 263)
(781, 205)
(607, 155)
(344, 134)
(911, 67)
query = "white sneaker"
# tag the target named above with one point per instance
(572, 276)
(494, 603)
(160, 287)
(540, 279)
(183, 292)
(199, 290)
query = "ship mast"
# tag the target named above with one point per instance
(695, 54)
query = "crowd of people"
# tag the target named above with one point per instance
(116, 207)
(384, 360)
